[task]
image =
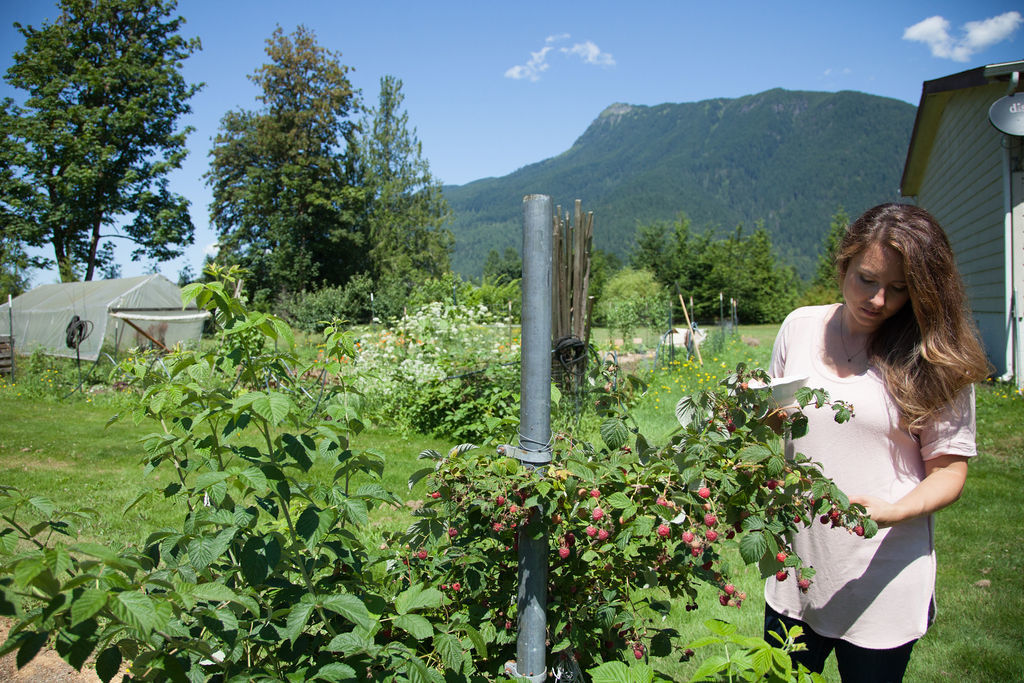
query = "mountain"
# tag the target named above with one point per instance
(787, 158)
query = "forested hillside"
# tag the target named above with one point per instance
(786, 158)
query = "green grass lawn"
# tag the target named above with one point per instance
(65, 451)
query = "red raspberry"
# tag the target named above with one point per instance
(435, 495)
(730, 426)
(834, 515)
(453, 532)
(422, 554)
(563, 552)
(711, 535)
(498, 526)
(781, 575)
(723, 599)
(602, 534)
(513, 509)
(456, 586)
(804, 584)
(781, 557)
(664, 530)
(638, 652)
(859, 530)
(688, 537)
(704, 492)
(595, 493)
(662, 501)
(695, 551)
(771, 484)
(597, 514)
(500, 500)
(591, 530)
(729, 589)
(824, 519)
(710, 519)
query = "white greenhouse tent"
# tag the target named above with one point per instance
(100, 316)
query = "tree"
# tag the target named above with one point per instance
(405, 209)
(502, 268)
(96, 138)
(286, 202)
(14, 265)
(825, 287)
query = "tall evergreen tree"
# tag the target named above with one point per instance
(286, 200)
(405, 209)
(92, 146)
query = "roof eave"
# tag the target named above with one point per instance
(934, 95)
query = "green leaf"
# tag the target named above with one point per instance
(415, 625)
(297, 618)
(254, 478)
(43, 504)
(335, 671)
(272, 407)
(619, 500)
(356, 512)
(450, 649)
(610, 672)
(253, 561)
(350, 644)
(203, 550)
(416, 476)
(614, 433)
(29, 647)
(753, 546)
(709, 667)
(86, 605)
(417, 671)
(720, 628)
(754, 453)
(350, 607)
(136, 610)
(213, 592)
(418, 597)
(108, 663)
(476, 638)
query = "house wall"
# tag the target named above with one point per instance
(963, 186)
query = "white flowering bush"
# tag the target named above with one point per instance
(444, 369)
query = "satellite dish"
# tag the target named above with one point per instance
(1007, 114)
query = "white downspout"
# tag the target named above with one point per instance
(1009, 314)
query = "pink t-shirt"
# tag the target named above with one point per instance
(874, 593)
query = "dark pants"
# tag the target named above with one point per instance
(856, 664)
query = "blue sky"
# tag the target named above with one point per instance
(493, 86)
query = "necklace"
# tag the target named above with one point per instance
(842, 338)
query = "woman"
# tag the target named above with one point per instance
(902, 349)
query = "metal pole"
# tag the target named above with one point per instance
(535, 429)
(10, 321)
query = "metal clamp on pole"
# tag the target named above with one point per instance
(512, 671)
(532, 458)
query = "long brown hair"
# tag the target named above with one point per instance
(929, 350)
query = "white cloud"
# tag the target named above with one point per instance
(533, 68)
(538, 62)
(211, 249)
(977, 35)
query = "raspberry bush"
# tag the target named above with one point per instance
(621, 518)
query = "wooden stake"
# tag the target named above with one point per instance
(690, 329)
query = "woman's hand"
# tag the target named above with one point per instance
(942, 484)
(883, 512)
